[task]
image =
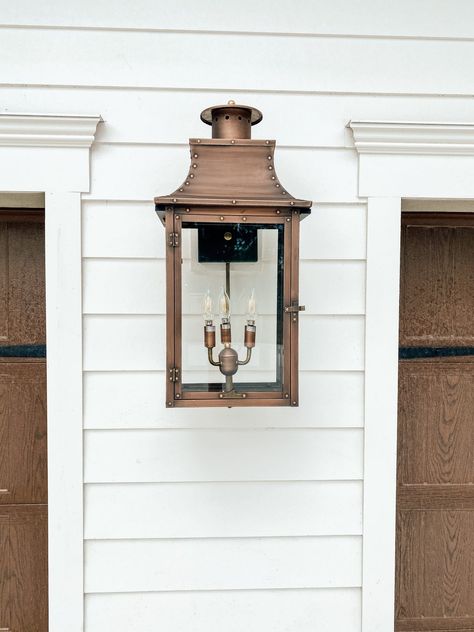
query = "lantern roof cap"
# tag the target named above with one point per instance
(231, 169)
(255, 115)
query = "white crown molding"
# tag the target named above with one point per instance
(396, 137)
(47, 130)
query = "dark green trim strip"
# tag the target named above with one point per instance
(411, 353)
(23, 351)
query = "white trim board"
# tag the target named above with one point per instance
(57, 166)
(47, 130)
(420, 161)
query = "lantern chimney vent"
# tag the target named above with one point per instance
(231, 120)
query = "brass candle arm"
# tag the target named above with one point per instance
(211, 360)
(247, 358)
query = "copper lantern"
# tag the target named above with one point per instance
(232, 236)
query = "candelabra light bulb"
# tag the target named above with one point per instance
(252, 308)
(224, 306)
(207, 308)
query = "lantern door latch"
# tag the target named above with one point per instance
(290, 309)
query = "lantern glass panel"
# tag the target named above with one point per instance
(247, 262)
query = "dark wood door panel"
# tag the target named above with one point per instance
(435, 574)
(435, 460)
(23, 449)
(23, 568)
(22, 283)
(436, 290)
(436, 434)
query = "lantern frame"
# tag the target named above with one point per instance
(232, 180)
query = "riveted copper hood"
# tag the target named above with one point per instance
(230, 167)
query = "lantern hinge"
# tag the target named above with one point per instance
(173, 240)
(174, 374)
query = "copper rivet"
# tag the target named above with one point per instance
(181, 189)
(278, 211)
(267, 142)
(232, 142)
(177, 395)
(287, 219)
(244, 395)
(292, 203)
(270, 167)
(176, 216)
(187, 210)
(294, 403)
(231, 102)
(283, 192)
(198, 140)
(233, 201)
(286, 395)
(186, 182)
(174, 199)
(221, 396)
(244, 219)
(194, 166)
(277, 185)
(273, 177)
(191, 175)
(170, 403)
(269, 157)
(221, 218)
(195, 156)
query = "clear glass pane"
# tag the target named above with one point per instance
(241, 259)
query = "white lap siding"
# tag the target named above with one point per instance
(226, 520)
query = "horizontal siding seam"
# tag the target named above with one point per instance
(223, 590)
(202, 89)
(328, 536)
(229, 32)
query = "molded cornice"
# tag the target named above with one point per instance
(387, 137)
(47, 130)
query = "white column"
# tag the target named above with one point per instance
(64, 380)
(381, 384)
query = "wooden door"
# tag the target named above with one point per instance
(435, 478)
(23, 458)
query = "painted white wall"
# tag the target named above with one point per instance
(240, 519)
